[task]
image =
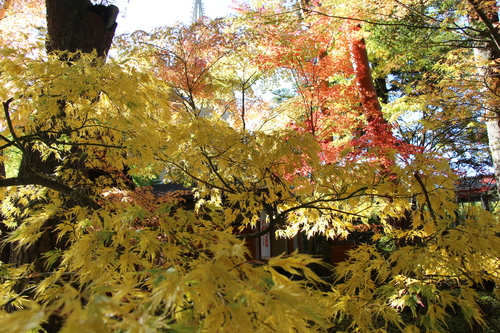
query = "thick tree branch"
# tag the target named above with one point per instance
(37, 179)
(489, 24)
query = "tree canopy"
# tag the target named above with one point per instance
(327, 157)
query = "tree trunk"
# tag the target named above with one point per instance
(77, 25)
(493, 129)
(366, 87)
(73, 26)
(374, 116)
(492, 114)
(488, 55)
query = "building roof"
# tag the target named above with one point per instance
(476, 186)
(174, 191)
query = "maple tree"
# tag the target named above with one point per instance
(184, 58)
(285, 48)
(440, 57)
(325, 159)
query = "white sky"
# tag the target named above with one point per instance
(148, 14)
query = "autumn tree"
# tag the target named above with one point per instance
(69, 111)
(326, 163)
(435, 108)
(204, 63)
(440, 58)
(185, 56)
(341, 175)
(131, 252)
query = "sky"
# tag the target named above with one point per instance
(148, 14)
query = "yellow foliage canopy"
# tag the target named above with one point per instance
(130, 262)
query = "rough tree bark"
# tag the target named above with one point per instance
(79, 25)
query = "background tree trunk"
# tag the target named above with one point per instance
(490, 76)
(488, 53)
(493, 128)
